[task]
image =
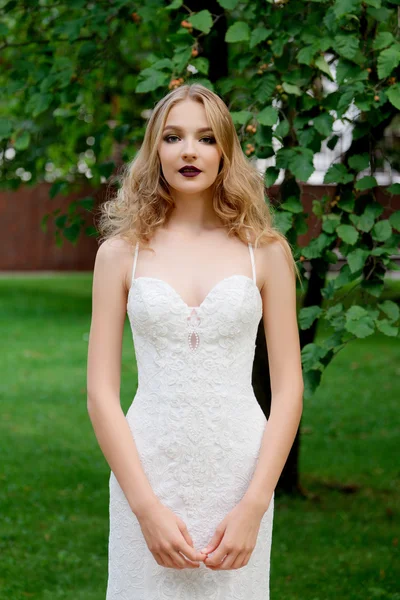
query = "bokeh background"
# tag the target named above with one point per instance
(312, 87)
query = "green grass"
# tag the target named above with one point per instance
(339, 543)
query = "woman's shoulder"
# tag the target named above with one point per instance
(115, 246)
(114, 258)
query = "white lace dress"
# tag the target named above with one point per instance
(194, 391)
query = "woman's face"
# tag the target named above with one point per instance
(187, 139)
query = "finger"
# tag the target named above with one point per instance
(216, 559)
(246, 559)
(228, 561)
(214, 542)
(182, 563)
(189, 563)
(187, 537)
(166, 561)
(239, 560)
(191, 552)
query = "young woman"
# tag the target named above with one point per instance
(194, 463)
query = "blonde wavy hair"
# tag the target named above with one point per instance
(143, 201)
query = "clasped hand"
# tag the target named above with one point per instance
(234, 539)
(169, 541)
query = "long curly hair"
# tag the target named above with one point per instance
(143, 200)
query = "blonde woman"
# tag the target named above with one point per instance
(190, 253)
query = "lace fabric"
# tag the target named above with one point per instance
(198, 429)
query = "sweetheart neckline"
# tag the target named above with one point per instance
(207, 295)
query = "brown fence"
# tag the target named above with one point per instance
(25, 247)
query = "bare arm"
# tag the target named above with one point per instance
(283, 344)
(109, 296)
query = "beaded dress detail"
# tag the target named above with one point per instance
(198, 428)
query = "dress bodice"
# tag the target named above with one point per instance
(177, 341)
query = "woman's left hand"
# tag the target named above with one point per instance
(234, 538)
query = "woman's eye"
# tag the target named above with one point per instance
(169, 136)
(211, 139)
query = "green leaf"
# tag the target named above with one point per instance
(346, 45)
(37, 104)
(391, 309)
(344, 7)
(283, 157)
(307, 137)
(382, 40)
(393, 94)
(365, 222)
(5, 129)
(387, 328)
(382, 230)
(282, 129)
(311, 380)
(330, 222)
(394, 188)
(374, 3)
(311, 355)
(292, 204)
(388, 60)
(202, 21)
(180, 59)
(323, 66)
(283, 221)
(323, 124)
(278, 45)
(348, 234)
(271, 175)
(356, 259)
(366, 183)
(317, 246)
(201, 64)
(259, 35)
(22, 141)
(71, 233)
(265, 87)
(302, 165)
(154, 80)
(87, 203)
(241, 117)
(268, 116)
(59, 187)
(337, 173)
(291, 89)
(308, 315)
(238, 32)
(334, 315)
(306, 55)
(380, 13)
(359, 162)
(228, 4)
(359, 322)
(394, 219)
(174, 5)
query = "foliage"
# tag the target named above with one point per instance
(86, 73)
(54, 492)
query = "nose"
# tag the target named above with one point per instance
(189, 149)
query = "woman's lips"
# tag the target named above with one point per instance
(190, 173)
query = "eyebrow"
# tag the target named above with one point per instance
(177, 128)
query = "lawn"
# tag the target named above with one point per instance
(339, 543)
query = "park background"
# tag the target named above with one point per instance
(313, 90)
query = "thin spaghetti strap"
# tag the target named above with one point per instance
(135, 261)
(253, 267)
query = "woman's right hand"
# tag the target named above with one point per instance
(167, 536)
